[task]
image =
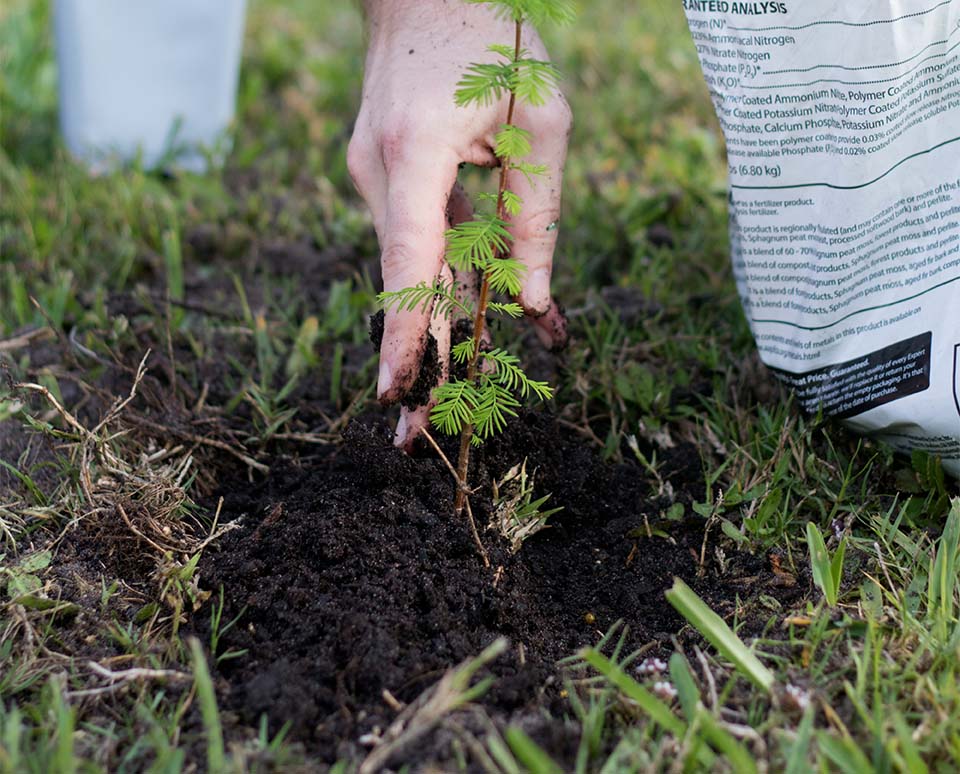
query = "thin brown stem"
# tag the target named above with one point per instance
(480, 318)
(461, 488)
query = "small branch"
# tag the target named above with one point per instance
(708, 676)
(476, 535)
(122, 404)
(25, 339)
(446, 461)
(139, 533)
(48, 396)
(211, 442)
(461, 488)
(420, 717)
(117, 680)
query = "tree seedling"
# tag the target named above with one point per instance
(480, 405)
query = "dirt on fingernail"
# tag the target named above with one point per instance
(428, 375)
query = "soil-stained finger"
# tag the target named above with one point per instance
(419, 181)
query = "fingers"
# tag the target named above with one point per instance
(419, 179)
(551, 327)
(535, 228)
(460, 209)
(413, 420)
(365, 164)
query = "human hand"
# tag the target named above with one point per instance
(408, 142)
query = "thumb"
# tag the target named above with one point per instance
(535, 227)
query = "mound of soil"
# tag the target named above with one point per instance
(351, 577)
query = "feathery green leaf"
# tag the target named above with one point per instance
(504, 275)
(505, 51)
(473, 244)
(532, 80)
(495, 403)
(510, 309)
(483, 84)
(511, 202)
(509, 374)
(511, 142)
(463, 351)
(456, 402)
(537, 12)
(421, 296)
(530, 171)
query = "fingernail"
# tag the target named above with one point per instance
(400, 437)
(536, 291)
(385, 379)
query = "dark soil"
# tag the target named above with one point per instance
(351, 577)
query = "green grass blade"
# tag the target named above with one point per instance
(216, 758)
(718, 634)
(28, 482)
(502, 755)
(721, 740)
(64, 761)
(11, 724)
(173, 262)
(302, 355)
(836, 569)
(908, 748)
(844, 754)
(820, 563)
(687, 691)
(659, 712)
(798, 757)
(943, 568)
(530, 754)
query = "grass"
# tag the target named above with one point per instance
(95, 270)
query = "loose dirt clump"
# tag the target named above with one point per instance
(351, 577)
(429, 375)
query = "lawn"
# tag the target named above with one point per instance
(212, 558)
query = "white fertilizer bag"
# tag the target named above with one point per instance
(842, 125)
(156, 77)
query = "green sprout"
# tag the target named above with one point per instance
(482, 404)
(827, 569)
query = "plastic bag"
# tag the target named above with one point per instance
(157, 78)
(842, 125)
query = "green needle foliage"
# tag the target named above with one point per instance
(482, 404)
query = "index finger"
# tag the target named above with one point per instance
(419, 180)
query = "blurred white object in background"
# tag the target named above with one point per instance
(157, 77)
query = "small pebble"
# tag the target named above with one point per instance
(664, 690)
(797, 697)
(651, 666)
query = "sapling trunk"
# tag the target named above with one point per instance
(480, 319)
